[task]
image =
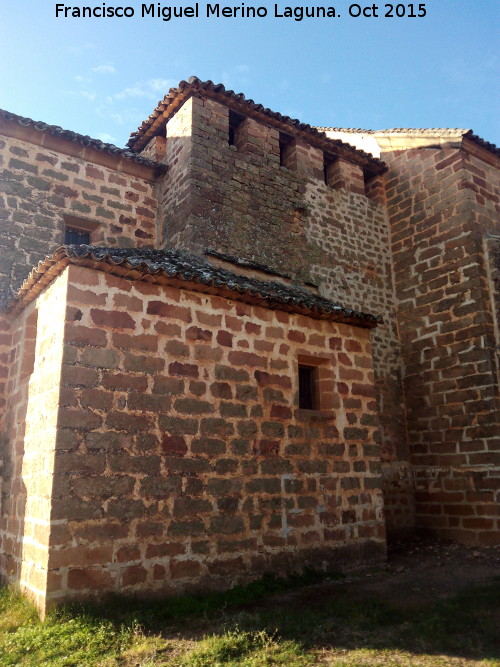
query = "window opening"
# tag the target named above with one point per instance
(285, 144)
(235, 120)
(328, 170)
(368, 180)
(76, 236)
(307, 387)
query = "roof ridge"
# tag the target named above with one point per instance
(429, 131)
(423, 130)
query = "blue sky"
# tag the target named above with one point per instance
(103, 76)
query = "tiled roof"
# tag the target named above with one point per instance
(433, 131)
(424, 131)
(245, 263)
(351, 130)
(178, 268)
(74, 137)
(176, 96)
(481, 142)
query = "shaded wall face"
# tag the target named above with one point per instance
(183, 461)
(492, 255)
(40, 187)
(441, 205)
(352, 265)
(238, 200)
(29, 422)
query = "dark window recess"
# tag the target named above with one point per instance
(285, 143)
(235, 120)
(367, 179)
(327, 169)
(307, 388)
(74, 236)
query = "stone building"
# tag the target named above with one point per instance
(247, 345)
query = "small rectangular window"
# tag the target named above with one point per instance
(235, 120)
(76, 236)
(286, 150)
(307, 388)
(315, 383)
(329, 171)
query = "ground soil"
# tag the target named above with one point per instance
(417, 571)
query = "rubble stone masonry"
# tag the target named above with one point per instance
(181, 460)
(46, 186)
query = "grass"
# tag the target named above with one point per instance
(246, 627)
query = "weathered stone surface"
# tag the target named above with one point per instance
(182, 452)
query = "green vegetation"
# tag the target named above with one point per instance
(339, 626)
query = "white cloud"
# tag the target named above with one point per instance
(136, 90)
(161, 85)
(148, 89)
(86, 94)
(78, 50)
(118, 109)
(107, 138)
(104, 69)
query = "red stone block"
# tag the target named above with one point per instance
(88, 578)
(173, 445)
(185, 569)
(114, 319)
(170, 311)
(186, 370)
(225, 338)
(132, 575)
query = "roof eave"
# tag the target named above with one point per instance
(48, 269)
(73, 144)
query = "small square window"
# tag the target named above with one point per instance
(79, 231)
(308, 395)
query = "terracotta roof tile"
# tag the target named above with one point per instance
(176, 267)
(481, 142)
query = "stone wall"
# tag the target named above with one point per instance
(43, 188)
(441, 205)
(182, 460)
(238, 200)
(352, 265)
